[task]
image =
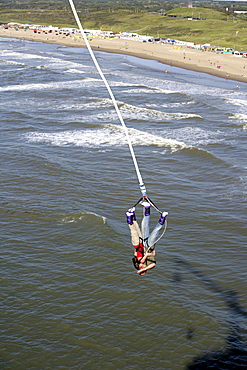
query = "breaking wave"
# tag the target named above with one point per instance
(239, 116)
(53, 85)
(238, 102)
(147, 113)
(105, 136)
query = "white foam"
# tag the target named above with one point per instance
(146, 90)
(87, 82)
(149, 89)
(172, 105)
(14, 63)
(238, 102)
(75, 218)
(141, 90)
(133, 112)
(41, 67)
(165, 91)
(195, 136)
(106, 136)
(240, 117)
(76, 71)
(171, 87)
(91, 105)
(14, 54)
(51, 61)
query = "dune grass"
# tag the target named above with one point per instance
(217, 27)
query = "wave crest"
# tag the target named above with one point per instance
(107, 135)
(239, 116)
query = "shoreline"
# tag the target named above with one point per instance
(225, 66)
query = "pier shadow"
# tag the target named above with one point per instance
(234, 354)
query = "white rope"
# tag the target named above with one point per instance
(141, 183)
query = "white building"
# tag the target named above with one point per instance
(93, 32)
(69, 30)
(43, 28)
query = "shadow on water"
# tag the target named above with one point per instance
(234, 355)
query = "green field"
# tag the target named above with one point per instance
(218, 27)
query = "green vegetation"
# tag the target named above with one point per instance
(216, 26)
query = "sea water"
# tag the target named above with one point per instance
(71, 298)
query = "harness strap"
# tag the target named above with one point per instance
(151, 261)
(140, 249)
(149, 201)
(153, 205)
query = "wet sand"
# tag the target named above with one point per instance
(222, 65)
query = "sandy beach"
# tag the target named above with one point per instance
(222, 65)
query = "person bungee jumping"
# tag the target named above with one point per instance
(143, 243)
(144, 252)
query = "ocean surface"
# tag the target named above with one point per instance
(70, 296)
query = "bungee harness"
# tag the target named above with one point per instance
(145, 241)
(147, 199)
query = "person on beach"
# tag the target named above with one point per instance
(143, 243)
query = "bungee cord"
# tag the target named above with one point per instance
(141, 183)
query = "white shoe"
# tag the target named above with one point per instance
(163, 218)
(145, 204)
